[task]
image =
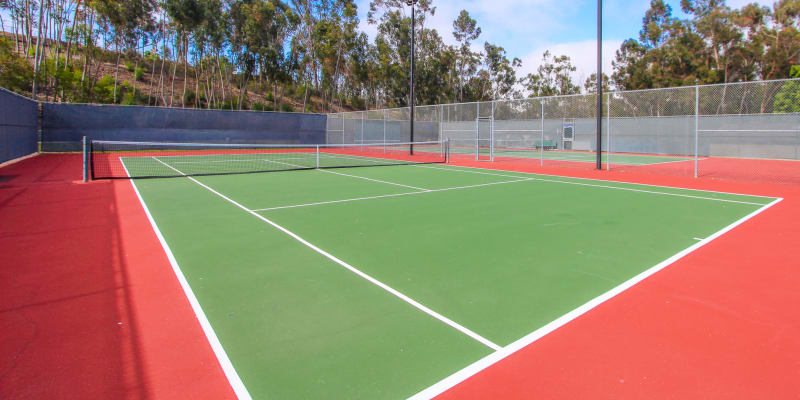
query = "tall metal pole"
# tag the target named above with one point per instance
(413, 39)
(696, 126)
(600, 84)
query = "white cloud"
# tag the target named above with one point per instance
(583, 55)
(516, 25)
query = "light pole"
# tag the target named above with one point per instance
(412, 3)
(599, 84)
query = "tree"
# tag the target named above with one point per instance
(553, 77)
(15, 72)
(788, 98)
(465, 30)
(590, 85)
(501, 71)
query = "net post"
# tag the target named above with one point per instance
(317, 152)
(447, 151)
(696, 126)
(85, 142)
(362, 130)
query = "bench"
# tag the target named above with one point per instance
(547, 145)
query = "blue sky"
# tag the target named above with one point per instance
(526, 28)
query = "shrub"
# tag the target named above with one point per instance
(15, 73)
(104, 90)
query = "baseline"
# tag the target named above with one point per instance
(476, 367)
(615, 187)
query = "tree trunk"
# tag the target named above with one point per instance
(27, 29)
(135, 67)
(280, 99)
(185, 49)
(152, 78)
(116, 73)
(72, 32)
(174, 72)
(15, 25)
(305, 96)
(197, 81)
(161, 74)
(335, 75)
(36, 54)
(221, 79)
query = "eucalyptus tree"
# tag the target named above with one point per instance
(553, 77)
(129, 20)
(502, 72)
(185, 16)
(465, 30)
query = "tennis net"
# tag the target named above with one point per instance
(116, 159)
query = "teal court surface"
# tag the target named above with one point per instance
(384, 282)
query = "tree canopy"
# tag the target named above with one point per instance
(310, 54)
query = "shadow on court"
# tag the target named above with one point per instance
(65, 327)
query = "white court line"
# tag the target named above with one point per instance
(658, 163)
(375, 180)
(242, 160)
(589, 158)
(392, 195)
(455, 167)
(356, 271)
(586, 157)
(356, 176)
(525, 341)
(608, 187)
(222, 357)
(284, 151)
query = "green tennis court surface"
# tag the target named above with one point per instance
(573, 156)
(380, 282)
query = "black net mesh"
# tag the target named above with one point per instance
(110, 159)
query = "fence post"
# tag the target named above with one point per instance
(608, 131)
(441, 117)
(696, 126)
(541, 143)
(384, 131)
(477, 131)
(491, 135)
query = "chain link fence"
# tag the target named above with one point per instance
(739, 131)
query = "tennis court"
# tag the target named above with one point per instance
(403, 280)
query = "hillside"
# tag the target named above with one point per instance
(156, 87)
